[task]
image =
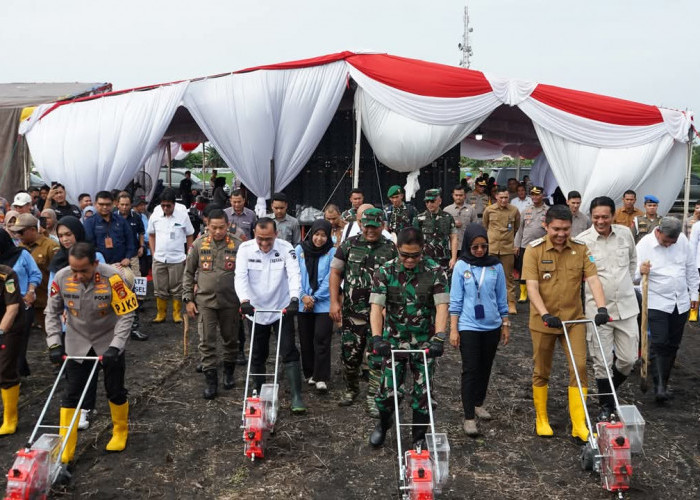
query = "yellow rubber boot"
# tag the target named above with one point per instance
(579, 429)
(177, 311)
(162, 305)
(523, 293)
(9, 414)
(69, 450)
(693, 316)
(120, 423)
(539, 396)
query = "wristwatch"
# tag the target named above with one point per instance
(505, 323)
(185, 301)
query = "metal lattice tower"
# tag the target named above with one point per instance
(465, 46)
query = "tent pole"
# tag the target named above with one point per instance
(272, 177)
(358, 140)
(170, 163)
(686, 197)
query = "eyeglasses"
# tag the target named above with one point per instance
(410, 255)
(476, 248)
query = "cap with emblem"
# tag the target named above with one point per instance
(22, 199)
(650, 198)
(373, 217)
(431, 194)
(139, 200)
(536, 190)
(24, 221)
(481, 182)
(394, 190)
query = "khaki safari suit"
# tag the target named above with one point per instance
(559, 275)
(501, 224)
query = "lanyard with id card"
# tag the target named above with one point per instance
(479, 312)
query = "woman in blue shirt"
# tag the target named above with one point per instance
(29, 277)
(479, 319)
(315, 325)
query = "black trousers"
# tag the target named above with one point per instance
(77, 375)
(261, 344)
(315, 333)
(666, 332)
(478, 350)
(21, 351)
(9, 376)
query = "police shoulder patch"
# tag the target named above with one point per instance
(536, 242)
(54, 289)
(10, 286)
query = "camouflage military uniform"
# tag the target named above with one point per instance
(399, 217)
(437, 229)
(349, 215)
(358, 259)
(410, 297)
(644, 225)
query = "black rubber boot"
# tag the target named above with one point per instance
(241, 359)
(198, 368)
(212, 378)
(137, 334)
(228, 375)
(606, 401)
(658, 372)
(618, 378)
(294, 378)
(378, 435)
(421, 424)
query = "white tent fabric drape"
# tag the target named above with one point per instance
(404, 144)
(480, 150)
(102, 143)
(542, 175)
(254, 117)
(157, 159)
(594, 171)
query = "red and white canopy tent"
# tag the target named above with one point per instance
(410, 111)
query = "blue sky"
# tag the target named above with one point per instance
(640, 50)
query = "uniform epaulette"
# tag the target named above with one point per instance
(536, 242)
(3, 276)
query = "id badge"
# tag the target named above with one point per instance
(108, 242)
(173, 235)
(479, 311)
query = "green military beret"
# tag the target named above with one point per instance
(393, 190)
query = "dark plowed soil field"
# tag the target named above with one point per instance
(181, 446)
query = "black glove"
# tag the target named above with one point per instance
(551, 321)
(437, 346)
(110, 356)
(293, 307)
(56, 354)
(247, 309)
(602, 317)
(381, 347)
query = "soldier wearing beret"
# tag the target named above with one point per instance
(645, 224)
(354, 264)
(399, 214)
(413, 293)
(439, 231)
(531, 228)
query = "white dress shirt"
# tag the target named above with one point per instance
(695, 243)
(171, 234)
(268, 280)
(673, 278)
(616, 260)
(521, 205)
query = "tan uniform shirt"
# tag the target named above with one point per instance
(42, 250)
(478, 201)
(616, 261)
(579, 223)
(501, 225)
(626, 217)
(463, 216)
(91, 320)
(531, 225)
(212, 265)
(559, 275)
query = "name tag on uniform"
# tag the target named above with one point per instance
(108, 242)
(123, 300)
